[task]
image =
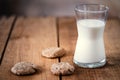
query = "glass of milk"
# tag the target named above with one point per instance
(90, 51)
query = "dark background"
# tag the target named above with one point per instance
(51, 7)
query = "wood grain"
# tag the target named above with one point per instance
(68, 37)
(5, 26)
(30, 36)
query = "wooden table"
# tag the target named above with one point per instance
(23, 39)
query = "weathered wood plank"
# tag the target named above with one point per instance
(68, 37)
(5, 26)
(30, 36)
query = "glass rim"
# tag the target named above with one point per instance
(92, 11)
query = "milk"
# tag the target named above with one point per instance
(90, 44)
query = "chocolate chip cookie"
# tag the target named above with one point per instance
(53, 52)
(62, 68)
(23, 68)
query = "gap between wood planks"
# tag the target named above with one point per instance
(58, 42)
(6, 43)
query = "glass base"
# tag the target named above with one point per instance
(90, 65)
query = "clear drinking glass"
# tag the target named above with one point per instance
(91, 19)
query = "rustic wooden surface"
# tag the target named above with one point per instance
(67, 38)
(26, 37)
(5, 26)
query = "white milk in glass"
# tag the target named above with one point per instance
(90, 44)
